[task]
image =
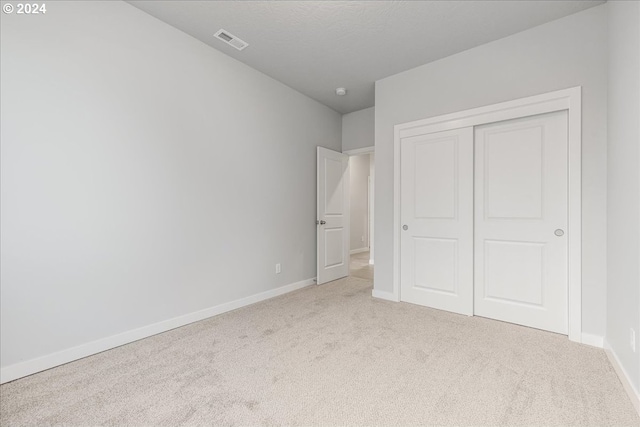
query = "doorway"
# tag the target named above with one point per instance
(362, 189)
(344, 223)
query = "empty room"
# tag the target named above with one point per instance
(320, 213)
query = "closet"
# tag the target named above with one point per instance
(484, 215)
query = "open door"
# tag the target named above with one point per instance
(333, 215)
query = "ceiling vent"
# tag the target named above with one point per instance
(230, 39)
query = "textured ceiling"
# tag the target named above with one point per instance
(317, 46)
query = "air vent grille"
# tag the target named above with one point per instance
(230, 39)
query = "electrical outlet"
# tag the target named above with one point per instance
(278, 269)
(632, 339)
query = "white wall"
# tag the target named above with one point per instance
(565, 53)
(623, 185)
(144, 176)
(358, 129)
(359, 214)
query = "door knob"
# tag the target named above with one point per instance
(323, 222)
(559, 232)
(405, 227)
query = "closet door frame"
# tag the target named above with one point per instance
(566, 99)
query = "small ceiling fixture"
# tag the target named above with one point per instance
(341, 91)
(230, 39)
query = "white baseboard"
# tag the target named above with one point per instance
(592, 340)
(358, 251)
(22, 369)
(634, 395)
(389, 296)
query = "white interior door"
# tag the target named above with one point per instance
(333, 215)
(520, 221)
(436, 264)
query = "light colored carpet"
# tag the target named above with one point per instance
(330, 355)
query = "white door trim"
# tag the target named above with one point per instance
(358, 151)
(566, 99)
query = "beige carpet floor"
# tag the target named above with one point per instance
(330, 355)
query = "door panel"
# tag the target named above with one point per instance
(435, 179)
(334, 196)
(520, 268)
(513, 173)
(333, 215)
(334, 253)
(436, 266)
(514, 262)
(437, 208)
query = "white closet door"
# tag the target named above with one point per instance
(521, 221)
(437, 220)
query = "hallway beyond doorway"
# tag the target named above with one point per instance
(360, 267)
